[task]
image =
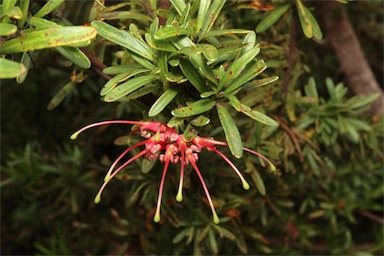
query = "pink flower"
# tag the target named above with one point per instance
(166, 144)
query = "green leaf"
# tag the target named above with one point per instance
(200, 121)
(189, 133)
(223, 232)
(258, 181)
(179, 6)
(26, 61)
(304, 19)
(168, 32)
(223, 32)
(7, 29)
(209, 51)
(237, 67)
(61, 94)
(147, 165)
(359, 101)
(24, 7)
(142, 91)
(272, 17)
(197, 107)
(118, 79)
(120, 69)
(75, 55)
(211, 17)
(192, 75)
(311, 90)
(202, 14)
(315, 26)
(129, 86)
(11, 69)
(256, 115)
(249, 73)
(143, 62)
(185, 16)
(48, 7)
(7, 5)
(125, 39)
(162, 45)
(231, 131)
(249, 41)
(261, 82)
(163, 101)
(50, 37)
(124, 15)
(212, 241)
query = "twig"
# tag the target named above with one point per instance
(372, 216)
(97, 65)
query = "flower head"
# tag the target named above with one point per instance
(168, 146)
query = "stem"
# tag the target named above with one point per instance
(168, 155)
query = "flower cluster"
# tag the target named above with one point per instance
(168, 146)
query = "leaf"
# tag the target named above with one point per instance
(261, 82)
(168, 32)
(129, 86)
(224, 232)
(189, 133)
(211, 16)
(197, 107)
(179, 6)
(250, 72)
(147, 165)
(237, 67)
(202, 14)
(24, 7)
(118, 79)
(311, 90)
(142, 91)
(163, 101)
(7, 29)
(223, 32)
(120, 69)
(304, 19)
(61, 94)
(26, 61)
(249, 41)
(209, 51)
(162, 45)
(200, 121)
(359, 101)
(48, 7)
(11, 69)
(75, 55)
(256, 115)
(96, 9)
(125, 39)
(192, 75)
(315, 26)
(272, 17)
(125, 15)
(212, 241)
(7, 5)
(258, 181)
(231, 131)
(185, 15)
(51, 37)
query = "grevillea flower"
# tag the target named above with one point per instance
(164, 143)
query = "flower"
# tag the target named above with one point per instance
(168, 146)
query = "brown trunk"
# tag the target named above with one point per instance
(349, 53)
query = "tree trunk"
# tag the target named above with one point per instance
(349, 53)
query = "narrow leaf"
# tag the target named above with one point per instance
(118, 79)
(197, 107)
(256, 115)
(192, 75)
(26, 60)
(120, 69)
(11, 69)
(51, 37)
(209, 51)
(189, 133)
(258, 181)
(75, 55)
(125, 39)
(7, 29)
(24, 7)
(304, 19)
(202, 14)
(237, 67)
(249, 73)
(129, 86)
(211, 17)
(272, 17)
(315, 26)
(168, 32)
(7, 5)
(163, 101)
(223, 32)
(200, 121)
(261, 82)
(179, 5)
(48, 7)
(231, 132)
(61, 94)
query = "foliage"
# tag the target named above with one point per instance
(198, 67)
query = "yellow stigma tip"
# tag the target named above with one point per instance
(156, 218)
(273, 168)
(246, 186)
(97, 199)
(74, 136)
(216, 219)
(179, 198)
